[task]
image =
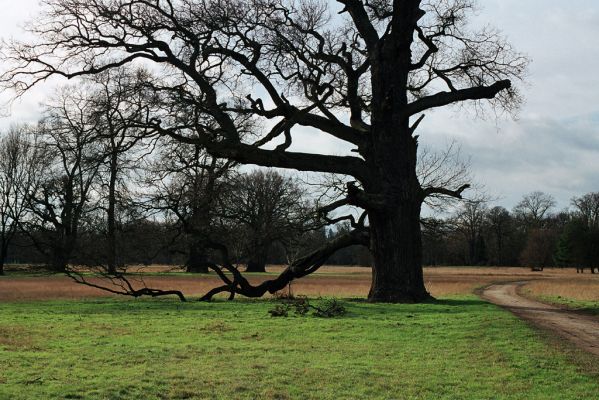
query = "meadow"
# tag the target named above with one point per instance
(78, 346)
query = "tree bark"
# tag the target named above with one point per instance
(397, 251)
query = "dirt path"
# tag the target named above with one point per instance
(582, 330)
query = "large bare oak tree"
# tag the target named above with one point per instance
(363, 72)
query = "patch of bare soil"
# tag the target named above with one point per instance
(582, 330)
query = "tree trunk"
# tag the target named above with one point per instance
(59, 260)
(111, 214)
(257, 261)
(396, 242)
(395, 232)
(3, 254)
(397, 251)
(198, 261)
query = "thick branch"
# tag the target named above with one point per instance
(247, 154)
(445, 192)
(300, 268)
(362, 21)
(445, 98)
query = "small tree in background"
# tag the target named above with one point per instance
(20, 169)
(534, 208)
(269, 208)
(68, 146)
(116, 103)
(539, 249)
(189, 183)
(563, 251)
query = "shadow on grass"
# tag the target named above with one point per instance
(458, 302)
(435, 306)
(356, 307)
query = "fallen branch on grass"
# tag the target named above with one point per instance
(121, 285)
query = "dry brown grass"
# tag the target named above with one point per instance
(581, 287)
(328, 281)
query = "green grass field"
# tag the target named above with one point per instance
(458, 348)
(588, 307)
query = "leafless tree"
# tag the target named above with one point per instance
(587, 208)
(499, 224)
(60, 201)
(116, 107)
(469, 221)
(365, 78)
(270, 208)
(534, 208)
(186, 181)
(540, 248)
(444, 168)
(19, 164)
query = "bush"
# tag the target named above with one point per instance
(301, 306)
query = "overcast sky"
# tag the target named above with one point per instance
(553, 146)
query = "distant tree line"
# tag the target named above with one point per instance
(532, 234)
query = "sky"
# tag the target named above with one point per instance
(552, 145)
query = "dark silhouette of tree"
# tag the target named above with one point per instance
(287, 64)
(592, 247)
(587, 209)
(19, 164)
(578, 246)
(189, 183)
(435, 233)
(539, 249)
(469, 221)
(500, 230)
(270, 208)
(117, 107)
(563, 256)
(534, 208)
(69, 151)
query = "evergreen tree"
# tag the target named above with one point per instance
(563, 251)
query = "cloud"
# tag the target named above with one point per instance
(558, 156)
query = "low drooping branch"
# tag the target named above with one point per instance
(298, 269)
(121, 285)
